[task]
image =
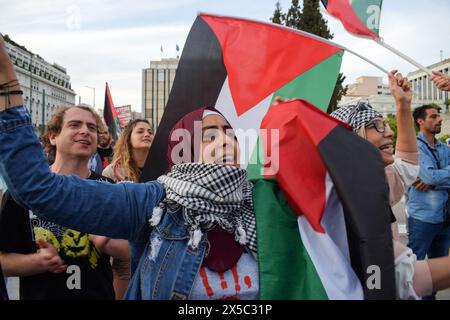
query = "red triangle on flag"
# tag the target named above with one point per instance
(300, 170)
(261, 58)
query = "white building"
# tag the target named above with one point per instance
(157, 82)
(378, 94)
(46, 87)
(373, 90)
(425, 92)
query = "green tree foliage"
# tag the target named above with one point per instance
(310, 19)
(392, 121)
(278, 16)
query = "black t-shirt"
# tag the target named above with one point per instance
(3, 292)
(89, 273)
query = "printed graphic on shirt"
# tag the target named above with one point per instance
(68, 243)
(238, 283)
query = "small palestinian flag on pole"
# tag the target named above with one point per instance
(239, 66)
(362, 17)
(110, 115)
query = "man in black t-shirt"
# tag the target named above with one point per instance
(52, 261)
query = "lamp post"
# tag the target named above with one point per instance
(94, 95)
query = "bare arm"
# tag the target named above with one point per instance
(22, 265)
(401, 90)
(440, 272)
(116, 248)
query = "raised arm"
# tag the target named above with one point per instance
(117, 211)
(401, 90)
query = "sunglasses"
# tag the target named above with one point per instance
(379, 125)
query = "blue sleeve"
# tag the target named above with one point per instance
(117, 211)
(429, 174)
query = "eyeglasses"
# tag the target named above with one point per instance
(379, 125)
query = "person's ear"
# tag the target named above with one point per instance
(52, 139)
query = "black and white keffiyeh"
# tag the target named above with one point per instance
(357, 116)
(211, 194)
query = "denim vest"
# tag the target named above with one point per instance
(167, 267)
(163, 267)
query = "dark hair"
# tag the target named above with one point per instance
(421, 113)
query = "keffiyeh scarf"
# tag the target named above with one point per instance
(210, 194)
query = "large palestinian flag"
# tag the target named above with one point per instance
(360, 17)
(239, 66)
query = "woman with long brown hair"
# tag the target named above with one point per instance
(130, 153)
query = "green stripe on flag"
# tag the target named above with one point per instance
(368, 12)
(315, 85)
(285, 268)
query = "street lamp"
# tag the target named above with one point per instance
(94, 94)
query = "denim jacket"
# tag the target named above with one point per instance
(118, 211)
(430, 206)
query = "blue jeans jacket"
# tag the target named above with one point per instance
(430, 206)
(162, 265)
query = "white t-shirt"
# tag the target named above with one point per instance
(238, 283)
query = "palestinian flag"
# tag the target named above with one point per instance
(338, 203)
(239, 66)
(360, 17)
(110, 115)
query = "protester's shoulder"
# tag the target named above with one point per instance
(98, 177)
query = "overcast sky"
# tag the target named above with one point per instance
(99, 41)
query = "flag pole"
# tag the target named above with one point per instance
(367, 60)
(381, 42)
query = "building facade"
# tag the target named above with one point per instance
(157, 82)
(378, 94)
(425, 92)
(46, 87)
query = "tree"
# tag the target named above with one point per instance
(278, 16)
(293, 15)
(310, 20)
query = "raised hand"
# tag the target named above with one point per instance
(441, 80)
(400, 88)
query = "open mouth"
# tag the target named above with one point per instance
(84, 142)
(388, 148)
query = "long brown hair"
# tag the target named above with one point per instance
(123, 154)
(55, 124)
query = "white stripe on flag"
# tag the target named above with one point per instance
(249, 120)
(329, 251)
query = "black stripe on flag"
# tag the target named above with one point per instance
(198, 81)
(367, 210)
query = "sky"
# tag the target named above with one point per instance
(113, 41)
